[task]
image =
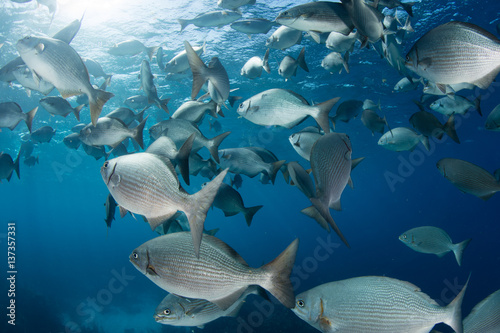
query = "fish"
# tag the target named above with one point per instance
(216, 18)
(95, 69)
(195, 111)
(252, 26)
(214, 73)
(253, 67)
(456, 52)
(149, 87)
(334, 62)
(72, 141)
(214, 125)
(456, 105)
(288, 66)
(375, 304)
(231, 203)
(340, 43)
(317, 17)
(283, 38)
(11, 115)
(234, 4)
(405, 85)
(110, 206)
(431, 88)
(219, 275)
(126, 115)
(31, 161)
(179, 63)
(24, 76)
(366, 19)
(303, 141)
(78, 127)
(236, 181)
(137, 102)
(134, 179)
(469, 178)
(267, 156)
(427, 124)
(59, 106)
(301, 179)
(26, 148)
(402, 138)
(248, 162)
(164, 146)
(7, 71)
(407, 6)
(484, 317)
(204, 167)
(179, 131)
(96, 152)
(83, 99)
(280, 107)
(8, 166)
(43, 134)
(132, 47)
(347, 110)
(369, 104)
(70, 77)
(111, 132)
(373, 122)
(159, 58)
(181, 311)
(331, 167)
(493, 121)
(433, 240)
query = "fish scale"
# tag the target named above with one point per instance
(485, 316)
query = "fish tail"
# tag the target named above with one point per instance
(302, 60)
(455, 311)
(408, 8)
(163, 104)
(137, 133)
(200, 203)
(345, 62)
(275, 167)
(322, 115)
(425, 141)
(182, 157)
(97, 99)
(265, 62)
(151, 51)
(16, 164)
(76, 111)
(325, 213)
(313, 213)
(140, 116)
(250, 212)
(278, 283)
(198, 68)
(449, 129)
(232, 100)
(477, 103)
(183, 23)
(333, 120)
(29, 117)
(458, 250)
(213, 145)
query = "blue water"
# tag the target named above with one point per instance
(74, 275)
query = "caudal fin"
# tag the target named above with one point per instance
(182, 157)
(96, 101)
(325, 213)
(213, 145)
(454, 309)
(321, 116)
(458, 250)
(275, 167)
(449, 129)
(137, 133)
(250, 212)
(76, 111)
(183, 23)
(200, 202)
(313, 213)
(198, 68)
(151, 51)
(278, 283)
(163, 105)
(29, 117)
(302, 60)
(265, 62)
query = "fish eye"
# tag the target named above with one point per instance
(285, 13)
(135, 255)
(241, 106)
(106, 164)
(404, 236)
(166, 312)
(301, 303)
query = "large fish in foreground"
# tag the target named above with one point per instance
(280, 107)
(375, 304)
(58, 63)
(219, 275)
(469, 178)
(433, 240)
(485, 316)
(456, 52)
(147, 184)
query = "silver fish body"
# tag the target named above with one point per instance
(373, 122)
(283, 38)
(457, 105)
(11, 114)
(59, 106)
(138, 102)
(218, 275)
(303, 142)
(334, 62)
(485, 316)
(131, 47)
(347, 110)
(179, 63)
(366, 19)
(24, 76)
(253, 67)
(338, 42)
(195, 111)
(126, 115)
(216, 18)
(72, 141)
(111, 132)
(288, 66)
(43, 134)
(401, 139)
(253, 26)
(234, 4)
(149, 87)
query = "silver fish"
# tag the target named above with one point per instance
(149, 87)
(405, 85)
(253, 67)
(280, 107)
(431, 88)
(72, 141)
(253, 26)
(132, 47)
(95, 69)
(179, 63)
(138, 102)
(25, 77)
(43, 56)
(331, 167)
(469, 178)
(216, 18)
(433, 240)
(288, 66)
(493, 120)
(485, 316)
(427, 124)
(195, 111)
(340, 43)
(366, 19)
(31, 161)
(456, 105)
(283, 38)
(456, 52)
(111, 132)
(43, 134)
(59, 106)
(334, 62)
(11, 114)
(301, 179)
(234, 4)
(303, 142)
(8, 166)
(110, 206)
(402, 138)
(373, 122)
(147, 184)
(126, 115)
(347, 110)
(219, 275)
(375, 304)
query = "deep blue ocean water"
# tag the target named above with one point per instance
(74, 275)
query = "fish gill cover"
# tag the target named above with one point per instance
(71, 249)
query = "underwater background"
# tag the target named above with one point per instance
(74, 274)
